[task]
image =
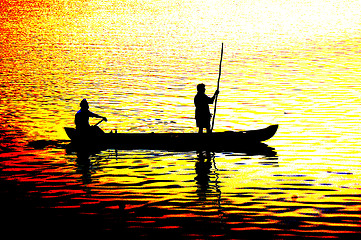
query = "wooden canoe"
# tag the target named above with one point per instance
(192, 141)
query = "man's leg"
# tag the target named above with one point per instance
(208, 127)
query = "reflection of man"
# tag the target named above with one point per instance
(203, 170)
(82, 118)
(201, 101)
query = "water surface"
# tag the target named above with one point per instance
(295, 64)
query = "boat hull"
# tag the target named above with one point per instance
(184, 141)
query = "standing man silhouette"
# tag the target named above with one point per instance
(203, 115)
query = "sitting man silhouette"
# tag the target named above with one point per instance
(82, 120)
(203, 115)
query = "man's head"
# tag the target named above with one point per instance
(84, 104)
(201, 88)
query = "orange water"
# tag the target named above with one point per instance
(294, 63)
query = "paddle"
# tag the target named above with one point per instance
(99, 122)
(219, 78)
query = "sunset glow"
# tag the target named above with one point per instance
(294, 63)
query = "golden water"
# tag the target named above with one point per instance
(292, 63)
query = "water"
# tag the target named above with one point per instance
(138, 62)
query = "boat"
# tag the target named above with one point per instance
(183, 141)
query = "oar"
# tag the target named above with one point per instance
(219, 78)
(99, 122)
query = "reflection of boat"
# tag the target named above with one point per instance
(184, 141)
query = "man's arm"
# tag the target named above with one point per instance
(91, 114)
(214, 96)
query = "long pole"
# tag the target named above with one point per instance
(219, 78)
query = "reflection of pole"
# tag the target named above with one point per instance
(219, 78)
(218, 190)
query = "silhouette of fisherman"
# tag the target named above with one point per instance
(82, 120)
(203, 115)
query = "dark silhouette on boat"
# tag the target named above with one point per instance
(91, 138)
(83, 127)
(202, 113)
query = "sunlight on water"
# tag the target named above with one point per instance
(292, 63)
